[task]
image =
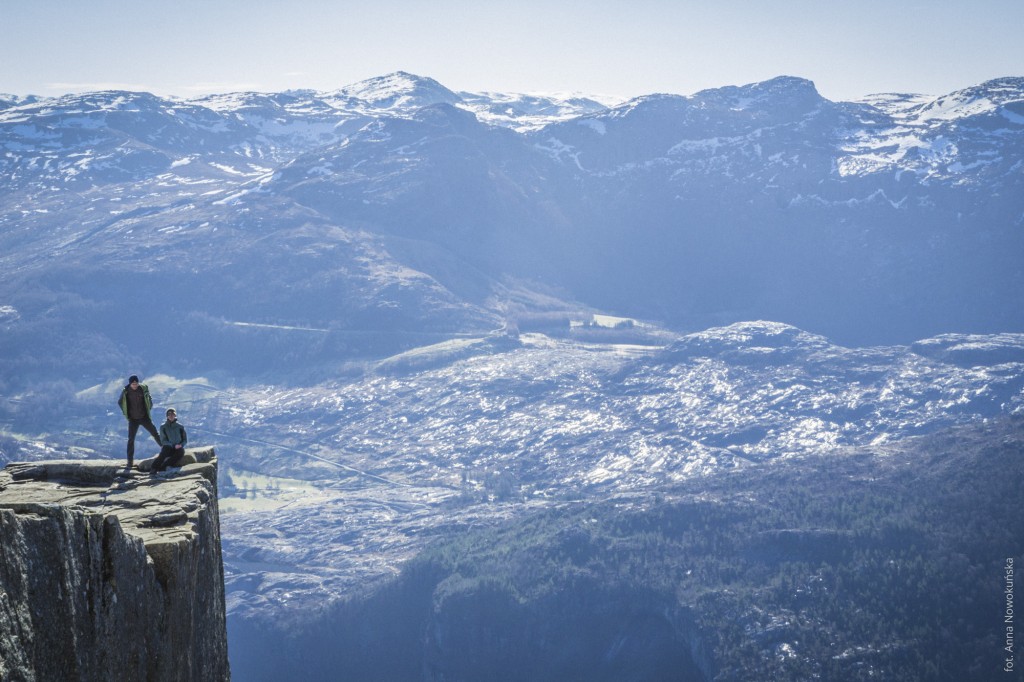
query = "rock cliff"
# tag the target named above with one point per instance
(111, 574)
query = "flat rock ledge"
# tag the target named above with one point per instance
(111, 574)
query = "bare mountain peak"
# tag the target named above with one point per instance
(780, 93)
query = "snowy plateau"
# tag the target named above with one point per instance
(489, 353)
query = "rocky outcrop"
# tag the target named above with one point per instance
(111, 574)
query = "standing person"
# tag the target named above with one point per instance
(173, 439)
(136, 404)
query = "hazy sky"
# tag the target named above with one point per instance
(848, 48)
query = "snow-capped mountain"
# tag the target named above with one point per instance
(60, 139)
(401, 312)
(524, 111)
(890, 219)
(396, 92)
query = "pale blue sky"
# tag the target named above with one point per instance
(620, 48)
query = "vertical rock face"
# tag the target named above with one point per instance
(110, 574)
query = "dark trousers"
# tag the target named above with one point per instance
(169, 456)
(133, 428)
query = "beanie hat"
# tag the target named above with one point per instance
(170, 411)
(134, 377)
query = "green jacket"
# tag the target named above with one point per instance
(147, 400)
(173, 433)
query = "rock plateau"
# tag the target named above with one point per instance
(106, 572)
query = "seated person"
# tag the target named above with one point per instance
(173, 440)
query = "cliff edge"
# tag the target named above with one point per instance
(108, 574)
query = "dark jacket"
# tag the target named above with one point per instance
(146, 399)
(173, 433)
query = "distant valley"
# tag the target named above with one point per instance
(440, 338)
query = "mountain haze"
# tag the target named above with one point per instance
(398, 205)
(718, 386)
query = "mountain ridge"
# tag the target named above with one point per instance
(763, 201)
(411, 326)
